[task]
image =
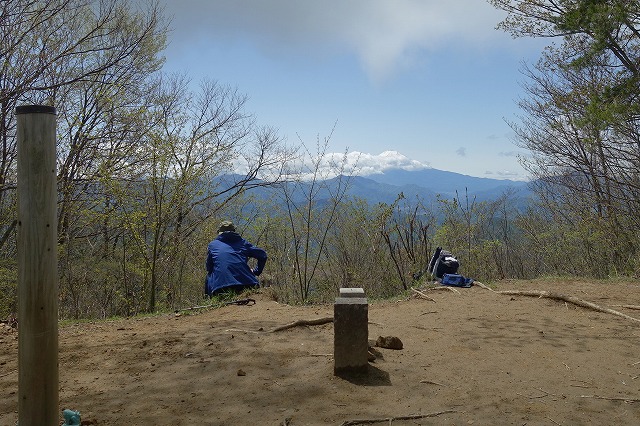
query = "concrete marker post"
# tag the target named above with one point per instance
(38, 403)
(351, 332)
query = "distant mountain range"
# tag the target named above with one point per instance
(428, 184)
(433, 182)
(444, 182)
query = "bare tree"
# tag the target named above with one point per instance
(191, 170)
(312, 196)
(585, 160)
(48, 47)
(406, 227)
(582, 122)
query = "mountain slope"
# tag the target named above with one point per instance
(447, 183)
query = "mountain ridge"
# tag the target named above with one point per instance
(427, 184)
(431, 184)
(445, 182)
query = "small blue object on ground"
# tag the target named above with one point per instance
(71, 418)
(456, 280)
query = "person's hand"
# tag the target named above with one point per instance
(256, 273)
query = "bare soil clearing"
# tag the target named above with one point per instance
(471, 357)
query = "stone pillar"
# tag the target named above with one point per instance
(351, 332)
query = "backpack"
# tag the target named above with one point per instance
(443, 262)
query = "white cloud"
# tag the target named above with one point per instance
(385, 35)
(462, 151)
(506, 174)
(352, 163)
(365, 164)
(368, 164)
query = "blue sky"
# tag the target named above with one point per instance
(407, 83)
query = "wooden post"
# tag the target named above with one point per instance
(37, 267)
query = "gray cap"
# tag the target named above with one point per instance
(226, 226)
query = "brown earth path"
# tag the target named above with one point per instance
(475, 356)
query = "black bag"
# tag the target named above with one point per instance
(443, 262)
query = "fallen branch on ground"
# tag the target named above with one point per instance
(627, 400)
(240, 330)
(445, 288)
(545, 393)
(300, 323)
(479, 284)
(241, 302)
(636, 307)
(194, 308)
(422, 295)
(391, 419)
(431, 383)
(565, 298)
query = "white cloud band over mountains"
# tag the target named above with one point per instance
(362, 164)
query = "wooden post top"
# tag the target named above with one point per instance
(35, 109)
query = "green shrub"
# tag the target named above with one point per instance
(8, 288)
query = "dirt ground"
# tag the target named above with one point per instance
(469, 357)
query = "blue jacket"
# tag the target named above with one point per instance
(227, 265)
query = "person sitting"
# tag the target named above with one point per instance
(227, 262)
